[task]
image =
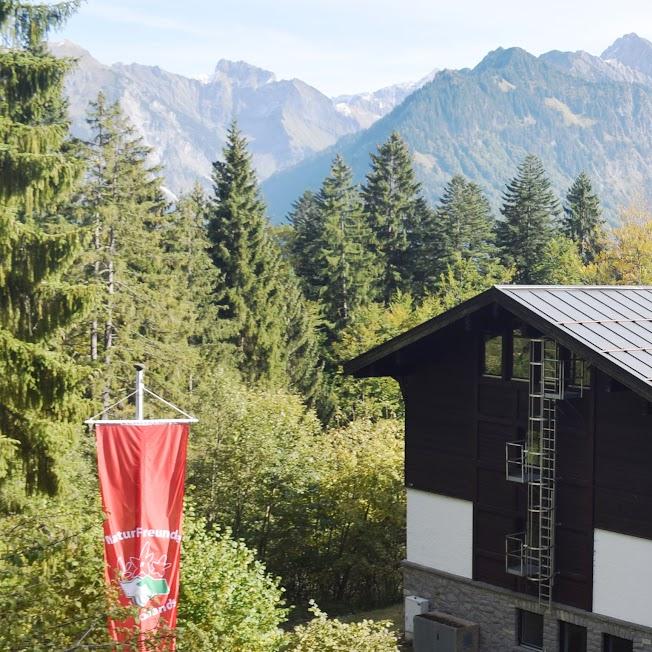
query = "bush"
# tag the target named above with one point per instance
(322, 634)
(227, 600)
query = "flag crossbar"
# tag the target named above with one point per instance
(139, 393)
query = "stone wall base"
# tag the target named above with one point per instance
(495, 610)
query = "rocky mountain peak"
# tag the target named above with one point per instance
(504, 58)
(242, 74)
(633, 51)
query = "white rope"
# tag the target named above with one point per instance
(171, 405)
(105, 410)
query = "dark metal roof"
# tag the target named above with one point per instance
(611, 326)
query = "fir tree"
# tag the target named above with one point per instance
(346, 272)
(464, 224)
(394, 211)
(38, 397)
(529, 210)
(582, 221)
(257, 291)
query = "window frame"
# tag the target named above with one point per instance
(574, 359)
(520, 613)
(486, 337)
(564, 627)
(609, 639)
(513, 337)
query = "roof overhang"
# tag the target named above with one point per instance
(368, 363)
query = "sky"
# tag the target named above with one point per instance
(345, 46)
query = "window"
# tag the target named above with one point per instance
(492, 356)
(612, 643)
(530, 629)
(579, 372)
(572, 638)
(520, 356)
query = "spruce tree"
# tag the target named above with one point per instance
(347, 274)
(274, 336)
(38, 396)
(185, 241)
(529, 210)
(306, 222)
(464, 225)
(582, 221)
(394, 212)
(145, 312)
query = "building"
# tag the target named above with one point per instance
(528, 464)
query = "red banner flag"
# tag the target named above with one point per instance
(141, 470)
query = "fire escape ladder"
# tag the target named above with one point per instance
(546, 388)
(531, 553)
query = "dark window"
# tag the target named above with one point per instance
(612, 643)
(530, 629)
(572, 638)
(492, 356)
(579, 373)
(520, 356)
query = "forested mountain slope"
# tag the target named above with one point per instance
(575, 111)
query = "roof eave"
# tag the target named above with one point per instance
(355, 366)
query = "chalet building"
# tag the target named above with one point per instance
(528, 468)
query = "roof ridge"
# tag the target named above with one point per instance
(573, 287)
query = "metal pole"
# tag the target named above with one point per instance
(140, 371)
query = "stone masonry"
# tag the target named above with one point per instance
(495, 610)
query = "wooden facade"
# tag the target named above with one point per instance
(458, 421)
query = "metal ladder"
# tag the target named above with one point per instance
(545, 389)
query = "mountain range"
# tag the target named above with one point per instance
(185, 120)
(575, 110)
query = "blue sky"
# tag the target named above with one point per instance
(345, 46)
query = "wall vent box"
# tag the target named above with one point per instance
(414, 605)
(439, 632)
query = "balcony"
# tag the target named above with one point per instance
(521, 465)
(519, 559)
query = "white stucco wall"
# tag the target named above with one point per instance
(622, 577)
(440, 532)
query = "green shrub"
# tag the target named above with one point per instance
(227, 601)
(322, 634)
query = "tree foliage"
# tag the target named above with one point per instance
(626, 258)
(582, 221)
(274, 329)
(395, 213)
(345, 268)
(464, 225)
(324, 635)
(529, 210)
(311, 502)
(38, 384)
(227, 600)
(139, 258)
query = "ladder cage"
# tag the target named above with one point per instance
(531, 553)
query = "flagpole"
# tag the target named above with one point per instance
(140, 372)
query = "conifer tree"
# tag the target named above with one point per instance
(38, 396)
(394, 213)
(257, 291)
(186, 243)
(582, 221)
(306, 222)
(145, 312)
(464, 225)
(529, 210)
(346, 268)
